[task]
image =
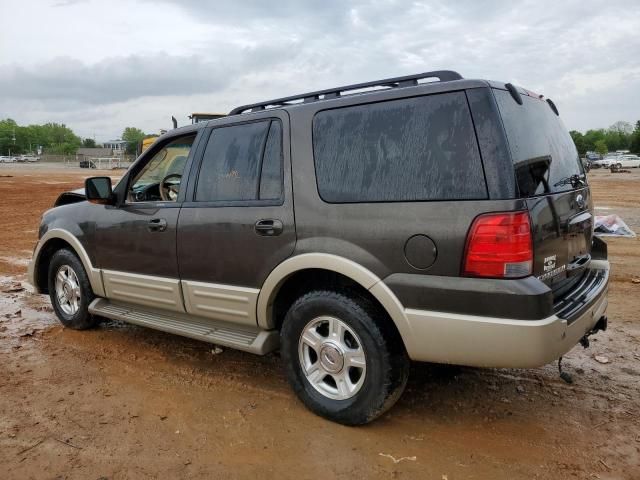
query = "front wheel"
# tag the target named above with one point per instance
(70, 291)
(342, 357)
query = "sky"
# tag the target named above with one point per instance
(100, 66)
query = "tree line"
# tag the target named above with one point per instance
(619, 136)
(57, 138)
(54, 138)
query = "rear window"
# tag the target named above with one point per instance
(421, 148)
(544, 155)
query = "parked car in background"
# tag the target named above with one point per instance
(28, 159)
(606, 161)
(628, 161)
(87, 164)
(586, 164)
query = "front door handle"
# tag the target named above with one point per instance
(157, 225)
(269, 227)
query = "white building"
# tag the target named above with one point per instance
(117, 146)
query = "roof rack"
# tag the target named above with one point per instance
(397, 82)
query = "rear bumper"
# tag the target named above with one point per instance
(485, 341)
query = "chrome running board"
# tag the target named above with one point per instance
(241, 337)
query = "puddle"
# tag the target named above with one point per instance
(19, 262)
(22, 313)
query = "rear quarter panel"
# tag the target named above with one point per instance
(374, 234)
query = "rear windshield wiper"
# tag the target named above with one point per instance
(576, 181)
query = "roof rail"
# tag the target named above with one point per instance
(397, 82)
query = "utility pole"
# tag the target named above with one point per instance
(13, 138)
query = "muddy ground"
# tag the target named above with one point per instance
(126, 402)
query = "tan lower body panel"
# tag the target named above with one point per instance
(221, 302)
(249, 339)
(145, 290)
(496, 342)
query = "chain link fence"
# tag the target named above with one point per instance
(81, 161)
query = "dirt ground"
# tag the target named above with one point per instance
(126, 402)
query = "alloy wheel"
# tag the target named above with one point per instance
(68, 291)
(332, 358)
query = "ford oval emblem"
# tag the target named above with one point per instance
(580, 200)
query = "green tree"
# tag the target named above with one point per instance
(618, 136)
(89, 143)
(8, 132)
(133, 136)
(53, 137)
(578, 139)
(591, 137)
(622, 128)
(635, 139)
(59, 139)
(601, 147)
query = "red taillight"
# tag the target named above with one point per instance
(499, 246)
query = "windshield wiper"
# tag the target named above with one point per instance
(576, 181)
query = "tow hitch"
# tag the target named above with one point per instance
(584, 341)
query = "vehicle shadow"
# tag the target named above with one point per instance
(433, 390)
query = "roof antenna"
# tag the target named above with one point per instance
(175, 122)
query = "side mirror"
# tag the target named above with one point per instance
(98, 190)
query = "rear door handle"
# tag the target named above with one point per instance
(269, 227)
(157, 225)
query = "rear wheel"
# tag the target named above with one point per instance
(342, 358)
(70, 291)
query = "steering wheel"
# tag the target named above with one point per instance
(169, 191)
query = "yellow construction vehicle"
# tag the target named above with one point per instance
(194, 117)
(203, 117)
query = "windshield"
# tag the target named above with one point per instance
(169, 160)
(543, 153)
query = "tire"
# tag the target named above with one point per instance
(375, 366)
(75, 285)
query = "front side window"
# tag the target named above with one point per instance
(242, 163)
(160, 178)
(413, 149)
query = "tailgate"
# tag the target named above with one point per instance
(562, 229)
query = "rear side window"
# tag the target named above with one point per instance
(543, 153)
(421, 148)
(242, 162)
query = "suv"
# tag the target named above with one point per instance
(628, 161)
(354, 229)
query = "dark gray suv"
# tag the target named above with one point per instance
(354, 229)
